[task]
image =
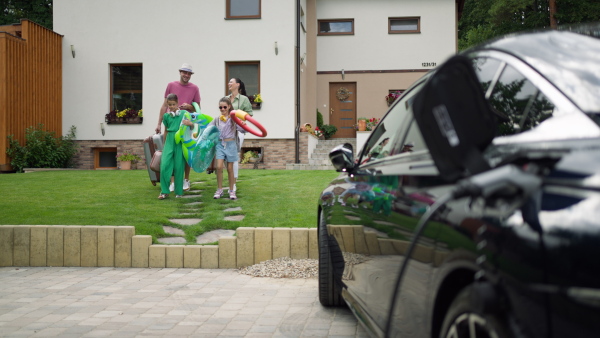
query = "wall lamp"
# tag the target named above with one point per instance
(343, 75)
(73, 51)
(276, 49)
(102, 128)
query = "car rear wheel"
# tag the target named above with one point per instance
(329, 290)
(465, 320)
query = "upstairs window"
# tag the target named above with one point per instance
(336, 27)
(243, 9)
(404, 25)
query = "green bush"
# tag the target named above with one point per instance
(42, 149)
(319, 119)
(328, 130)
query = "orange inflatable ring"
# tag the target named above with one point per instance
(239, 115)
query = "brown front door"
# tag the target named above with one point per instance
(342, 108)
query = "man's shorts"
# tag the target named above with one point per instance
(228, 153)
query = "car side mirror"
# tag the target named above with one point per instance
(342, 157)
(455, 119)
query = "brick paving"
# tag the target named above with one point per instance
(129, 302)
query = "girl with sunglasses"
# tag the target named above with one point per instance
(227, 147)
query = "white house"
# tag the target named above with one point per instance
(350, 55)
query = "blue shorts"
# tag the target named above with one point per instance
(228, 153)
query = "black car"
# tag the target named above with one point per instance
(486, 173)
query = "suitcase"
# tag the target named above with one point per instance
(151, 144)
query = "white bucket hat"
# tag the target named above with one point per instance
(186, 67)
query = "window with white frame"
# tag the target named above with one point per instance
(243, 9)
(404, 25)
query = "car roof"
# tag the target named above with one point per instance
(571, 61)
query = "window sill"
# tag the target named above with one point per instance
(132, 120)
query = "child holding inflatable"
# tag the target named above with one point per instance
(172, 162)
(227, 148)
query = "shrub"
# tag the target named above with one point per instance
(42, 149)
(328, 130)
(319, 119)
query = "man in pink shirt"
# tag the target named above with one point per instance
(187, 93)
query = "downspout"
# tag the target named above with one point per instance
(297, 130)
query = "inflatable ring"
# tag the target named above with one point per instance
(239, 115)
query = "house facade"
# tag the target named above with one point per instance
(342, 59)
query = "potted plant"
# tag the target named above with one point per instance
(328, 130)
(362, 123)
(250, 156)
(256, 101)
(111, 117)
(391, 97)
(127, 159)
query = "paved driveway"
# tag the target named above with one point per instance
(122, 302)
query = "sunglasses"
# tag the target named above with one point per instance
(223, 107)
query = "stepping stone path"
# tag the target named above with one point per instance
(208, 237)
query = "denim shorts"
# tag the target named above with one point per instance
(228, 153)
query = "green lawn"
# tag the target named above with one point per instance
(268, 198)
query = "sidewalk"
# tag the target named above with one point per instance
(128, 302)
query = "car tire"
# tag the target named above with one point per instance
(329, 290)
(464, 319)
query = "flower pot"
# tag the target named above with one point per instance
(362, 125)
(125, 165)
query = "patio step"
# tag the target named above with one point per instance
(319, 159)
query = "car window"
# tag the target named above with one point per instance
(413, 141)
(519, 103)
(395, 123)
(486, 69)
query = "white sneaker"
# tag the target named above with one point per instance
(186, 185)
(172, 187)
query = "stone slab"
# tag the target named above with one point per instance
(209, 257)
(281, 242)
(89, 246)
(313, 243)
(233, 209)
(55, 248)
(186, 221)
(191, 196)
(213, 236)
(191, 256)
(245, 247)
(6, 246)
(173, 231)
(38, 246)
(123, 237)
(299, 243)
(263, 244)
(174, 256)
(157, 257)
(227, 252)
(235, 218)
(171, 240)
(21, 245)
(106, 246)
(140, 245)
(72, 248)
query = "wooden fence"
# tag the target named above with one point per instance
(30, 82)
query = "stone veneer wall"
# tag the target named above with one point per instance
(277, 152)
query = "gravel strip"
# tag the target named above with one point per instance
(286, 267)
